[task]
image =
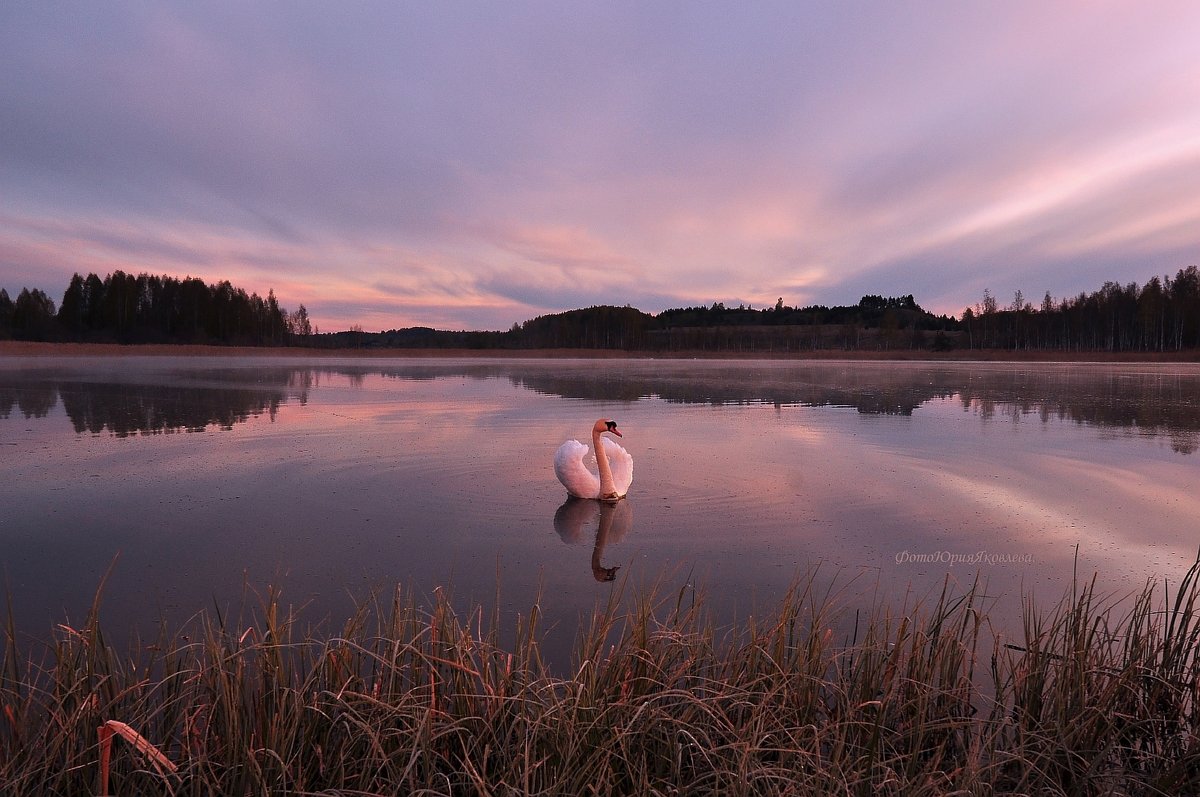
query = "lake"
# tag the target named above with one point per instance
(198, 481)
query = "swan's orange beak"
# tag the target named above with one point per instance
(612, 427)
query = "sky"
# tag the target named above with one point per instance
(474, 165)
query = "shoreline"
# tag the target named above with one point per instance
(12, 348)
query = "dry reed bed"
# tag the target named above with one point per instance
(1098, 698)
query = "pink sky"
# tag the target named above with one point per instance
(468, 166)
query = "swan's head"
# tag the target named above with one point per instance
(606, 425)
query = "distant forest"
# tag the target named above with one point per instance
(1162, 315)
(123, 308)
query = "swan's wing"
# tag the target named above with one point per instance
(570, 470)
(621, 463)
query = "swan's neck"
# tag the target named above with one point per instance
(607, 488)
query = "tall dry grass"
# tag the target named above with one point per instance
(1098, 698)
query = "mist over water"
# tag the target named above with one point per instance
(197, 478)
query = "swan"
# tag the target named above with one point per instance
(614, 463)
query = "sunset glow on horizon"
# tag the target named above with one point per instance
(471, 166)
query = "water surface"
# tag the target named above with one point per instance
(195, 477)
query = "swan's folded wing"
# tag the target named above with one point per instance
(574, 475)
(621, 463)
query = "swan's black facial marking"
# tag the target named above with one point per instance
(612, 427)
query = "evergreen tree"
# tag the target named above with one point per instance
(72, 311)
(33, 315)
(6, 314)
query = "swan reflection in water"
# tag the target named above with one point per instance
(579, 515)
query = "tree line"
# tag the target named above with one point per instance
(1162, 315)
(147, 308)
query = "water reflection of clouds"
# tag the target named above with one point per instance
(1049, 503)
(1024, 511)
(1130, 500)
(801, 431)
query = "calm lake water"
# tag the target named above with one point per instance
(193, 478)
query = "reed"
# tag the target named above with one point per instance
(1097, 698)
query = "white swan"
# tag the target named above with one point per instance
(614, 463)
